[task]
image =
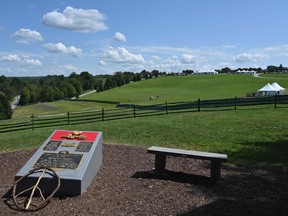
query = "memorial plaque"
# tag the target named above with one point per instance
(58, 161)
(84, 147)
(52, 145)
(75, 161)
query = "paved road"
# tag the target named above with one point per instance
(15, 102)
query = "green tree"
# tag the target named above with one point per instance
(87, 80)
(77, 85)
(25, 96)
(46, 95)
(5, 108)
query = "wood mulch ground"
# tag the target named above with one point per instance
(124, 186)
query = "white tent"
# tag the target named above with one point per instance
(267, 90)
(280, 88)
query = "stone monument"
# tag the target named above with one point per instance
(75, 156)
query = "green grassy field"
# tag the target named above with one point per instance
(186, 88)
(249, 135)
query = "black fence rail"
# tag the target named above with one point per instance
(124, 111)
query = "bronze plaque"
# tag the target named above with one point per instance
(58, 161)
(52, 145)
(84, 146)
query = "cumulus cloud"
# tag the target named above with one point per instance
(154, 57)
(119, 37)
(22, 60)
(33, 62)
(189, 59)
(61, 48)
(11, 58)
(121, 55)
(68, 67)
(80, 20)
(101, 62)
(248, 57)
(27, 36)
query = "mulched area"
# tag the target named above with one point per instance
(125, 186)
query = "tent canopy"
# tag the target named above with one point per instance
(269, 89)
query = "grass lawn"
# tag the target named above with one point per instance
(249, 135)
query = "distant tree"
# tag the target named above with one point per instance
(46, 95)
(25, 96)
(128, 76)
(272, 68)
(144, 74)
(99, 85)
(137, 77)
(5, 108)
(87, 80)
(16, 84)
(70, 90)
(186, 72)
(224, 70)
(155, 73)
(119, 78)
(77, 85)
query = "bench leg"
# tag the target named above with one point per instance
(215, 171)
(160, 163)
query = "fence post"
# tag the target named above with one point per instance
(102, 114)
(33, 127)
(166, 106)
(198, 104)
(235, 103)
(134, 111)
(275, 101)
(68, 115)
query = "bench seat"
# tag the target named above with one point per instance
(161, 153)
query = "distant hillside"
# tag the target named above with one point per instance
(159, 90)
(185, 88)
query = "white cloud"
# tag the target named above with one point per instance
(27, 36)
(68, 67)
(61, 48)
(22, 60)
(189, 59)
(228, 46)
(11, 58)
(248, 57)
(119, 37)
(101, 62)
(121, 55)
(80, 20)
(33, 62)
(156, 58)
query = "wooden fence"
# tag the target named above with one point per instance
(124, 111)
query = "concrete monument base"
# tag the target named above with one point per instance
(75, 157)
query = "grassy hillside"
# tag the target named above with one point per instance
(184, 88)
(171, 89)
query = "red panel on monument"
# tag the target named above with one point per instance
(62, 135)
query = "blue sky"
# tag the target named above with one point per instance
(41, 37)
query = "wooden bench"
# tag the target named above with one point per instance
(161, 153)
